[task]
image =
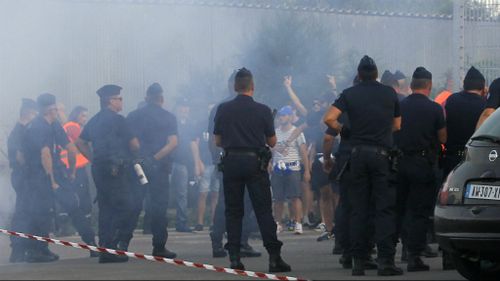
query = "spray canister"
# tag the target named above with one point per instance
(140, 174)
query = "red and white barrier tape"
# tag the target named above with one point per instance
(153, 258)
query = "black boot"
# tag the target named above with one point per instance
(246, 251)
(236, 262)
(17, 255)
(277, 264)
(415, 263)
(109, 258)
(47, 252)
(217, 249)
(163, 253)
(358, 268)
(36, 256)
(386, 267)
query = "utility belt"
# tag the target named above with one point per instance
(369, 148)
(264, 155)
(423, 153)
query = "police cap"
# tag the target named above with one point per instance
(398, 75)
(28, 104)
(367, 64)
(45, 100)
(154, 90)
(422, 73)
(495, 87)
(474, 74)
(474, 80)
(109, 91)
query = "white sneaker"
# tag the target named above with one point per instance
(279, 228)
(321, 227)
(298, 228)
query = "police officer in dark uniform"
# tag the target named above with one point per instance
(243, 128)
(463, 111)
(423, 130)
(493, 101)
(373, 111)
(156, 129)
(219, 224)
(39, 147)
(28, 112)
(112, 146)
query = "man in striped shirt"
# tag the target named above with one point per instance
(286, 176)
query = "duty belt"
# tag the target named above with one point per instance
(241, 152)
(373, 149)
(422, 153)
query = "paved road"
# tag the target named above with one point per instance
(309, 259)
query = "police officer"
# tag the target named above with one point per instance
(28, 112)
(423, 130)
(112, 144)
(219, 224)
(156, 130)
(373, 111)
(493, 101)
(463, 111)
(243, 128)
(39, 146)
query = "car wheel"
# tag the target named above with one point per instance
(477, 270)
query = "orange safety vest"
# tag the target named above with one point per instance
(81, 161)
(443, 97)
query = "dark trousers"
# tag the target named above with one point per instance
(242, 171)
(417, 182)
(74, 199)
(370, 187)
(449, 162)
(343, 211)
(20, 218)
(39, 207)
(219, 224)
(157, 192)
(115, 206)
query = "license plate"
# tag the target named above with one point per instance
(480, 191)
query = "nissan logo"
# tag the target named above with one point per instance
(493, 155)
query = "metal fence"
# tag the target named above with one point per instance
(70, 48)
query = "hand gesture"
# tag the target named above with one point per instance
(328, 165)
(287, 81)
(332, 81)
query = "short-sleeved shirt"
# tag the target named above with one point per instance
(110, 136)
(244, 123)
(494, 95)
(421, 119)
(372, 108)
(292, 151)
(152, 125)
(41, 134)
(463, 110)
(187, 134)
(14, 144)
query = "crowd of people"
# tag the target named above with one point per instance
(373, 158)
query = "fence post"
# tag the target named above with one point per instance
(458, 43)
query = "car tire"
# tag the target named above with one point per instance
(477, 270)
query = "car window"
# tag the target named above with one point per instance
(491, 126)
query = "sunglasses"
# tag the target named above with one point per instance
(118, 98)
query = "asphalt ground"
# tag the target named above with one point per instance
(309, 259)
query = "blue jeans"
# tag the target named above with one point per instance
(180, 183)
